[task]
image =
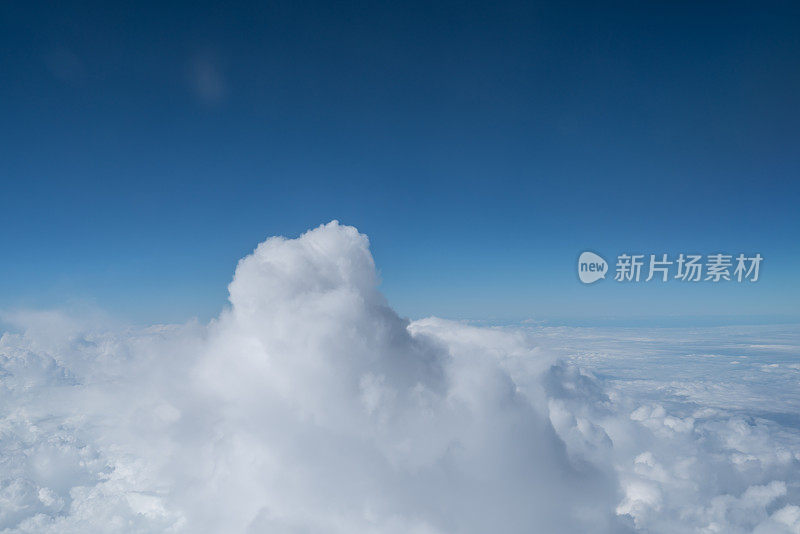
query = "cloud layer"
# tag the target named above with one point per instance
(310, 406)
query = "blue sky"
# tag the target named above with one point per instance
(482, 147)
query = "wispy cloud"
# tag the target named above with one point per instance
(206, 78)
(65, 66)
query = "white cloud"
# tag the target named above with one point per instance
(310, 406)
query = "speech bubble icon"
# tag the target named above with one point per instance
(591, 267)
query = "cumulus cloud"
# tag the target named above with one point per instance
(310, 406)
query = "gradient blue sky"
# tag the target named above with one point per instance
(482, 146)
